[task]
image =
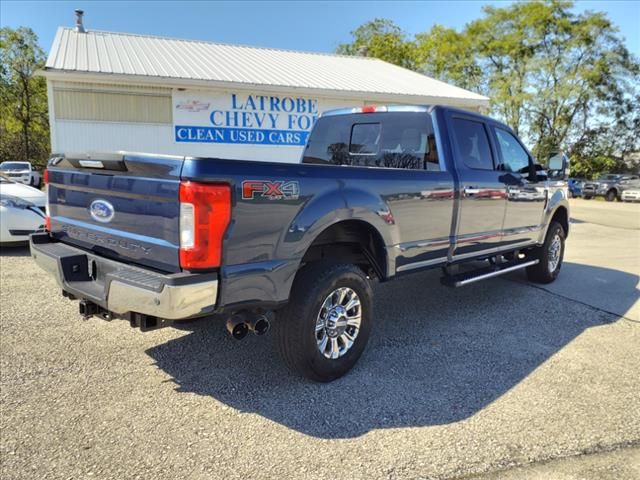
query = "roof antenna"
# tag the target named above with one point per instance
(79, 25)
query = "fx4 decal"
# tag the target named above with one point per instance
(270, 189)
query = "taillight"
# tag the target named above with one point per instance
(205, 212)
(47, 218)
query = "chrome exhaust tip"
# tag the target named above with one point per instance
(260, 325)
(237, 327)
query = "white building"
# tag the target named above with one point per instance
(115, 91)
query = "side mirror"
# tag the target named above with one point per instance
(558, 167)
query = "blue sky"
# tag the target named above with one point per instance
(312, 26)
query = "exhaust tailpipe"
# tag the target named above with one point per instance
(259, 324)
(237, 327)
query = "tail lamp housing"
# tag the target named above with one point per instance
(205, 213)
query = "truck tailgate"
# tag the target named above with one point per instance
(124, 207)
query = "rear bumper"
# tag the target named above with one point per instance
(123, 289)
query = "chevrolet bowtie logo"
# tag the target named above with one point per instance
(193, 106)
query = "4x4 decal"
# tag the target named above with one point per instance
(270, 189)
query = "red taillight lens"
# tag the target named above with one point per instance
(46, 176)
(205, 212)
(369, 109)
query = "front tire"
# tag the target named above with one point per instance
(324, 328)
(610, 196)
(550, 256)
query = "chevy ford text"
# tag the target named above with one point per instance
(380, 192)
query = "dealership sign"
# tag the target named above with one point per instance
(238, 118)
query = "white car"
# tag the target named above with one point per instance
(22, 172)
(22, 211)
(631, 194)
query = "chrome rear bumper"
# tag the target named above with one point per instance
(120, 288)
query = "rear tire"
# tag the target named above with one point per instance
(550, 256)
(314, 306)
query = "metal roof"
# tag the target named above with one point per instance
(125, 57)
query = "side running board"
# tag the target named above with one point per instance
(465, 278)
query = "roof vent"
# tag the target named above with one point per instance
(79, 25)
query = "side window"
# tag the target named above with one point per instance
(408, 141)
(514, 157)
(472, 144)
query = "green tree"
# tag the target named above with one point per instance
(610, 146)
(24, 125)
(561, 80)
(447, 55)
(383, 39)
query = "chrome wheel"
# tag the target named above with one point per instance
(555, 248)
(338, 322)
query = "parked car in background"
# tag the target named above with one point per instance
(609, 186)
(575, 187)
(22, 172)
(631, 192)
(22, 211)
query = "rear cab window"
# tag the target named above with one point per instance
(383, 140)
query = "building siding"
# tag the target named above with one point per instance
(92, 117)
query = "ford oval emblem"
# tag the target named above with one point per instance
(101, 211)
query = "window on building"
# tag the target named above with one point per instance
(90, 105)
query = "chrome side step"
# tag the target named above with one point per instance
(466, 278)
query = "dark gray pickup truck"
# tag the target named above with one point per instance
(610, 186)
(380, 192)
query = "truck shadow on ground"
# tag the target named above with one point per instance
(436, 356)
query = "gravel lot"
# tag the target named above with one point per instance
(458, 382)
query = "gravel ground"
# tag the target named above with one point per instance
(454, 383)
